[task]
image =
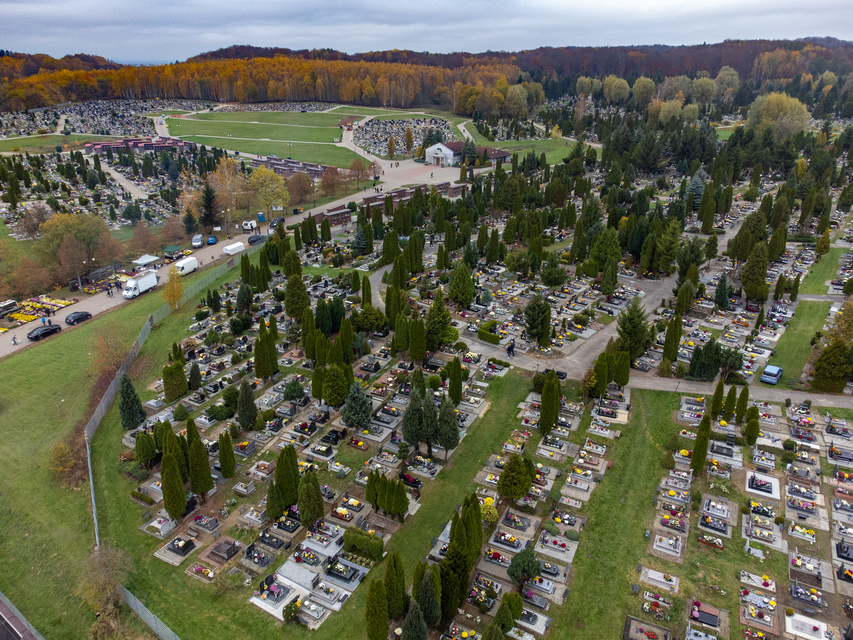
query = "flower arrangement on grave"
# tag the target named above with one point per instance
(243, 445)
(685, 453)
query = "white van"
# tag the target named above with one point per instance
(249, 225)
(187, 265)
(233, 249)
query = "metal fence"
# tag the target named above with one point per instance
(157, 625)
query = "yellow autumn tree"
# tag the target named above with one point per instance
(174, 288)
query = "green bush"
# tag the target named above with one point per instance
(789, 445)
(461, 346)
(551, 528)
(133, 469)
(142, 497)
(502, 363)
(180, 413)
(201, 314)
(668, 461)
(362, 543)
(572, 535)
(434, 383)
(484, 333)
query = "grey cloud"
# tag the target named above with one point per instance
(160, 31)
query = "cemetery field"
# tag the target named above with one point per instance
(47, 143)
(288, 118)
(613, 541)
(554, 150)
(190, 608)
(821, 272)
(794, 345)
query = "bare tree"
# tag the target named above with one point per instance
(72, 259)
(331, 181)
(35, 215)
(109, 350)
(229, 183)
(28, 278)
(106, 568)
(357, 170)
(109, 251)
(143, 240)
(173, 231)
(300, 186)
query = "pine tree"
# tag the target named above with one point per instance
(411, 426)
(742, 403)
(129, 405)
(318, 380)
(201, 480)
(514, 481)
(503, 618)
(322, 318)
(550, 405)
(395, 587)
(414, 626)
(430, 601)
(717, 400)
(226, 455)
(376, 611)
(429, 426)
(357, 409)
(731, 402)
(247, 411)
(437, 322)
(335, 386)
(700, 448)
(524, 566)
(174, 498)
(609, 280)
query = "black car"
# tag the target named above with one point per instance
(256, 239)
(77, 317)
(44, 331)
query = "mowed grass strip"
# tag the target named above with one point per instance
(821, 272)
(795, 344)
(186, 127)
(311, 119)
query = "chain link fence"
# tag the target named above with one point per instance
(156, 625)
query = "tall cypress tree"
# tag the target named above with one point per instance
(550, 405)
(430, 601)
(201, 480)
(729, 406)
(717, 400)
(414, 626)
(366, 293)
(672, 339)
(174, 498)
(287, 476)
(226, 455)
(417, 340)
(454, 579)
(172, 445)
(455, 381)
(395, 586)
(129, 405)
(700, 448)
(742, 404)
(247, 412)
(376, 611)
(275, 508)
(310, 500)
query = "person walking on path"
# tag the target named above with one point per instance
(15, 340)
(43, 321)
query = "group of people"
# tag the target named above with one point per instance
(374, 134)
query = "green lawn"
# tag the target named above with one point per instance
(320, 153)
(724, 133)
(555, 150)
(272, 131)
(269, 117)
(794, 347)
(820, 272)
(48, 143)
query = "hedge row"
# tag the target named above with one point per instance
(363, 543)
(484, 333)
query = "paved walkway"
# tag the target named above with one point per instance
(126, 184)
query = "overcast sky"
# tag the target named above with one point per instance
(169, 30)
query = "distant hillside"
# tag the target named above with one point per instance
(650, 60)
(22, 65)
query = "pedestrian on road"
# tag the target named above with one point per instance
(49, 322)
(15, 340)
(43, 321)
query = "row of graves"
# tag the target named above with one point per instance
(845, 272)
(579, 297)
(318, 573)
(574, 469)
(793, 492)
